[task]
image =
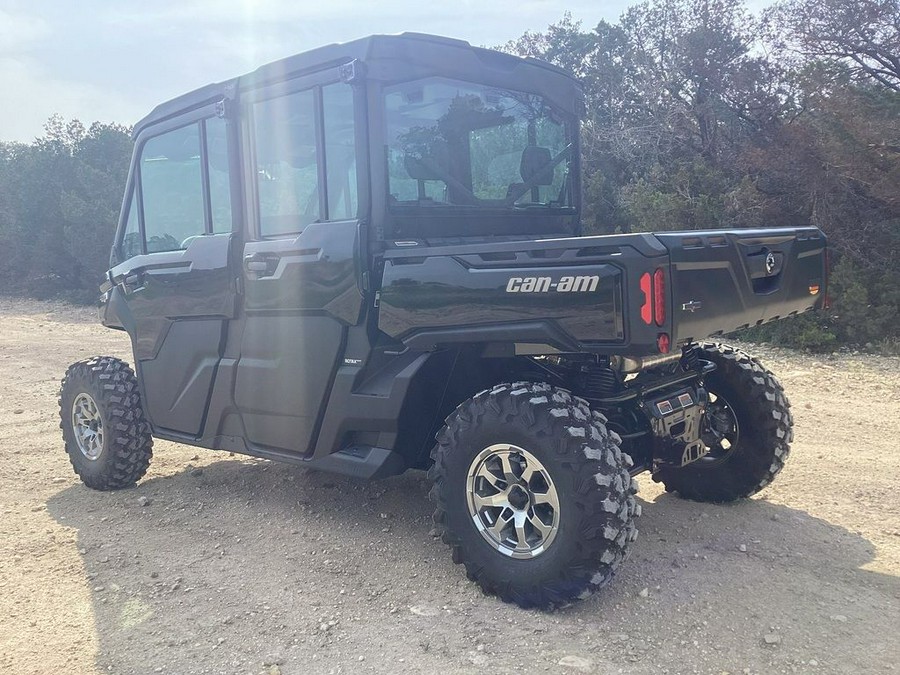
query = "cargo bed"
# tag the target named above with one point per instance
(614, 294)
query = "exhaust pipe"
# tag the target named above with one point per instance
(635, 364)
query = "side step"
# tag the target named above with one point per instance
(365, 462)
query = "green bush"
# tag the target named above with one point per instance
(866, 303)
(865, 314)
(812, 331)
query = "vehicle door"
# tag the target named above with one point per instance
(175, 288)
(301, 276)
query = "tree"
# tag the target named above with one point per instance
(674, 93)
(862, 35)
(694, 65)
(59, 204)
(695, 121)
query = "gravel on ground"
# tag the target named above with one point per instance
(224, 564)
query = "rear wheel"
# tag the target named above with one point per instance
(106, 435)
(533, 494)
(748, 429)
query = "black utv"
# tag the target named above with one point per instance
(367, 258)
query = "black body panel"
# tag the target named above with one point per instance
(175, 306)
(301, 292)
(720, 282)
(285, 367)
(434, 295)
(316, 271)
(717, 283)
(444, 292)
(367, 404)
(181, 375)
(162, 287)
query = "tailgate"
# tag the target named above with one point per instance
(727, 280)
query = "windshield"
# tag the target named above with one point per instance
(457, 144)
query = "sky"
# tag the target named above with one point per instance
(114, 60)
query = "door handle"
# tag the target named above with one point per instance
(260, 265)
(257, 265)
(131, 281)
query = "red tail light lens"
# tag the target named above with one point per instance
(659, 296)
(647, 307)
(663, 344)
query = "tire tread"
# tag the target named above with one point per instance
(115, 386)
(597, 475)
(767, 409)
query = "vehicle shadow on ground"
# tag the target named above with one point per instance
(244, 562)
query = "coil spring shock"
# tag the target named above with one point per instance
(599, 381)
(690, 357)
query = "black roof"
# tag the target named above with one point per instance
(415, 54)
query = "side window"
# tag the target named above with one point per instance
(131, 238)
(340, 151)
(286, 163)
(172, 189)
(219, 186)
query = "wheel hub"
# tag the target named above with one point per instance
(721, 430)
(518, 498)
(512, 501)
(87, 425)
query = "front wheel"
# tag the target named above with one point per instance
(106, 435)
(748, 430)
(533, 494)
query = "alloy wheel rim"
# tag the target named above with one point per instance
(88, 426)
(512, 501)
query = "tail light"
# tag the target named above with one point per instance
(663, 344)
(659, 296)
(826, 302)
(653, 309)
(647, 307)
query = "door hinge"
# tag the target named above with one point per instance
(352, 72)
(377, 299)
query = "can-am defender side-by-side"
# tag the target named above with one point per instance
(366, 258)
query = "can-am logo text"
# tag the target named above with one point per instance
(582, 284)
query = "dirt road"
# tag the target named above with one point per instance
(219, 564)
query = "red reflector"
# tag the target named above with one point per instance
(646, 308)
(659, 296)
(662, 343)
